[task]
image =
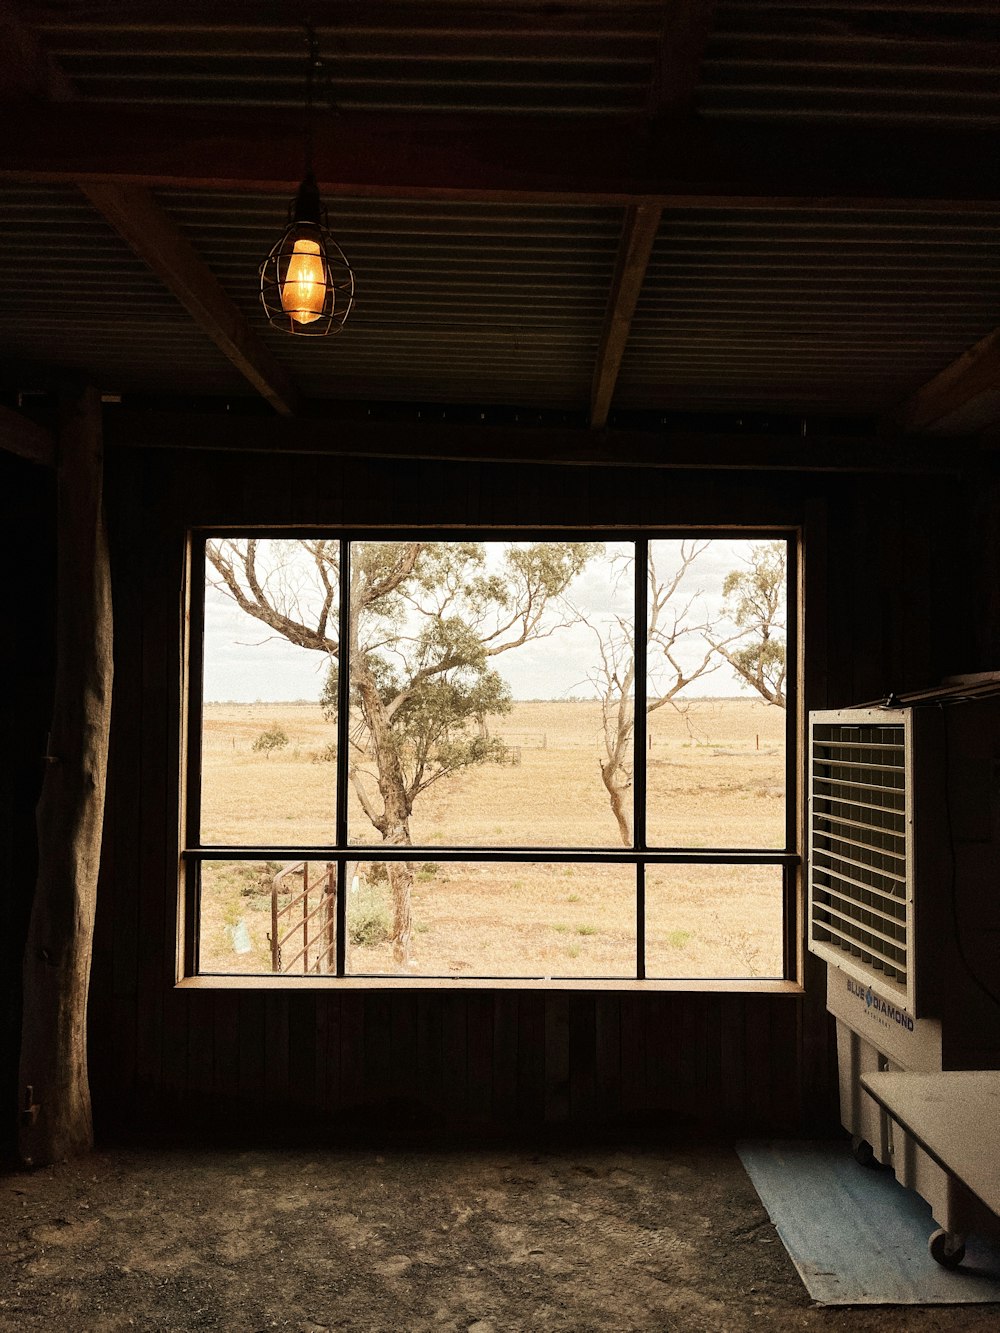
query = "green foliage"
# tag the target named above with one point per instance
(587, 930)
(678, 938)
(368, 919)
(755, 602)
(430, 618)
(275, 739)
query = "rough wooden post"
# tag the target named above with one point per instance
(55, 1113)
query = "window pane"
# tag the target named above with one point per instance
(716, 693)
(269, 703)
(714, 921)
(479, 672)
(247, 904)
(496, 920)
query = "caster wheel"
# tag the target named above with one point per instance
(864, 1153)
(946, 1249)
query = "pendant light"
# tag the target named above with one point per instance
(306, 284)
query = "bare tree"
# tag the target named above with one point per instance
(425, 621)
(755, 600)
(670, 624)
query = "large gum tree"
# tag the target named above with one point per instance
(425, 621)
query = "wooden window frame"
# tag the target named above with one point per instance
(194, 853)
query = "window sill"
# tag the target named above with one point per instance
(286, 983)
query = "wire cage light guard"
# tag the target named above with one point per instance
(306, 283)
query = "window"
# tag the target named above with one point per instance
(542, 758)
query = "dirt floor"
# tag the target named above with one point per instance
(494, 1240)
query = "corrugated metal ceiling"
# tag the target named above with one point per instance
(765, 309)
(469, 58)
(454, 302)
(842, 61)
(885, 62)
(74, 296)
(488, 303)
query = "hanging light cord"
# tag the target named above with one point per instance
(315, 66)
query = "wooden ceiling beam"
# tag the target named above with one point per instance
(137, 217)
(338, 434)
(638, 234)
(680, 162)
(962, 398)
(684, 35)
(19, 435)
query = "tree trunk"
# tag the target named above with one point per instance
(619, 808)
(401, 883)
(394, 823)
(55, 1108)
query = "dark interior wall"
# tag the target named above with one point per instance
(880, 553)
(27, 555)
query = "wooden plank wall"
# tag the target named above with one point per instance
(27, 555)
(880, 551)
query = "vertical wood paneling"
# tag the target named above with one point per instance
(226, 1049)
(557, 1057)
(352, 1050)
(663, 1047)
(251, 1051)
(276, 1081)
(302, 1049)
(455, 1052)
(582, 1058)
(633, 1053)
(523, 1058)
(403, 1046)
(531, 1058)
(429, 1054)
(607, 1056)
(157, 812)
(481, 1068)
(505, 1047)
(173, 1090)
(378, 1046)
(201, 1053)
(135, 867)
(733, 1091)
(758, 1062)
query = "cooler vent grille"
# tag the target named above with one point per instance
(858, 867)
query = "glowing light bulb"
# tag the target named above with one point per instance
(303, 292)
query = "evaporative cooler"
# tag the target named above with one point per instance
(904, 903)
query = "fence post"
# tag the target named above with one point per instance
(330, 915)
(275, 951)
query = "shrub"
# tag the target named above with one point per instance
(257, 878)
(275, 739)
(368, 921)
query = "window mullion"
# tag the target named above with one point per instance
(343, 741)
(640, 635)
(639, 695)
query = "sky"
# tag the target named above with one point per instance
(246, 662)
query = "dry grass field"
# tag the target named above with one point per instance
(716, 778)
